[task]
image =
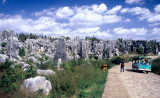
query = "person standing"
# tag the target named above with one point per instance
(122, 65)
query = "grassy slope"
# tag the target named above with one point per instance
(78, 79)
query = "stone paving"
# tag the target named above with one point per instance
(114, 87)
(131, 84)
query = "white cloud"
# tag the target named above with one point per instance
(81, 21)
(155, 34)
(43, 25)
(84, 20)
(49, 12)
(93, 19)
(112, 19)
(155, 18)
(114, 10)
(133, 33)
(124, 10)
(154, 24)
(103, 34)
(96, 32)
(134, 1)
(89, 19)
(156, 31)
(88, 30)
(157, 8)
(143, 12)
(95, 15)
(127, 20)
(64, 12)
(48, 26)
(130, 32)
(99, 9)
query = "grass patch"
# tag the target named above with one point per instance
(77, 77)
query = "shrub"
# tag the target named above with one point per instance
(9, 78)
(3, 51)
(140, 50)
(5, 65)
(31, 72)
(30, 62)
(21, 51)
(3, 44)
(45, 65)
(54, 63)
(82, 94)
(96, 91)
(72, 63)
(91, 56)
(156, 66)
(7, 82)
(46, 58)
(78, 75)
(116, 60)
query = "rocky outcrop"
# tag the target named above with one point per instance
(3, 58)
(70, 49)
(6, 34)
(60, 50)
(159, 54)
(38, 83)
(13, 48)
(45, 72)
(33, 59)
(24, 66)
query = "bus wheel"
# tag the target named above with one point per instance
(146, 72)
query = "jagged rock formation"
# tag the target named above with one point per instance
(38, 83)
(45, 72)
(3, 58)
(44, 50)
(70, 49)
(61, 50)
(6, 34)
(13, 48)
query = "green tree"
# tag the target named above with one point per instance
(21, 51)
(117, 60)
(10, 77)
(140, 50)
(3, 44)
(22, 37)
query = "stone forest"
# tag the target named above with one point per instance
(47, 65)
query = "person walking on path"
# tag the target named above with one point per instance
(122, 65)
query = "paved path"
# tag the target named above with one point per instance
(131, 84)
(114, 88)
(139, 84)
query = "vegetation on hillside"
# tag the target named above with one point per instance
(21, 51)
(140, 50)
(79, 78)
(156, 66)
(11, 76)
(92, 39)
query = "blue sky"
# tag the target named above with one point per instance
(105, 19)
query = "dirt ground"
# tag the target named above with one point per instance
(131, 84)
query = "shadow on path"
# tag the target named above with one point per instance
(135, 71)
